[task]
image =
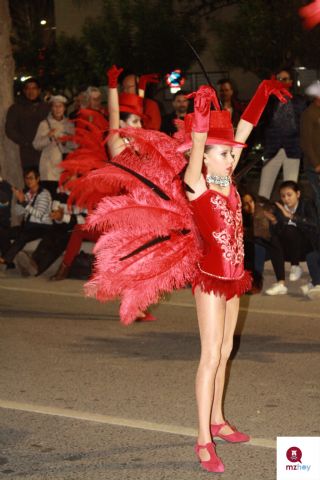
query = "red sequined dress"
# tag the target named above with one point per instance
(219, 221)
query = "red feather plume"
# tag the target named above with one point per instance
(148, 244)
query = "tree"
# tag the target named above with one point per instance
(266, 35)
(70, 65)
(138, 35)
(10, 166)
(32, 41)
(204, 7)
(141, 36)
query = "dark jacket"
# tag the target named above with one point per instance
(5, 204)
(306, 220)
(237, 110)
(310, 135)
(282, 127)
(257, 225)
(167, 124)
(22, 123)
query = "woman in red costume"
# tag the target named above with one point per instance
(124, 111)
(220, 277)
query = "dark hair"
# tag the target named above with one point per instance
(290, 184)
(231, 82)
(252, 195)
(31, 80)
(224, 80)
(124, 74)
(34, 170)
(125, 115)
(285, 69)
(178, 93)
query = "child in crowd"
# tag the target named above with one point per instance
(295, 226)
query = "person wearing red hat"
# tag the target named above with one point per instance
(130, 83)
(125, 110)
(220, 278)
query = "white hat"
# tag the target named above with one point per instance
(314, 89)
(58, 99)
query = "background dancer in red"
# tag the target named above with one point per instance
(126, 111)
(220, 277)
(311, 14)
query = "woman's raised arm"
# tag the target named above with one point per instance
(203, 98)
(115, 142)
(255, 108)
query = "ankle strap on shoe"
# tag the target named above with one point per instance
(208, 446)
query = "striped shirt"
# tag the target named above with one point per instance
(36, 208)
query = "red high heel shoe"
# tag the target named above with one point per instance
(235, 437)
(148, 317)
(214, 464)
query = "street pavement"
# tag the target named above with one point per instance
(83, 397)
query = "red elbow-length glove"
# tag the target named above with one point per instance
(113, 75)
(203, 98)
(259, 101)
(149, 78)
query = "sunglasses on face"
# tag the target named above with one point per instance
(284, 79)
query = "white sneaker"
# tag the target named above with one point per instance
(295, 273)
(305, 288)
(277, 289)
(314, 293)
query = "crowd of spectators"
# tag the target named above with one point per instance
(285, 230)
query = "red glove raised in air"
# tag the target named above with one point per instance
(257, 104)
(310, 14)
(203, 98)
(149, 78)
(113, 74)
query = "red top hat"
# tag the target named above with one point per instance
(220, 130)
(131, 103)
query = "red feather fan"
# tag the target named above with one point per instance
(90, 153)
(149, 243)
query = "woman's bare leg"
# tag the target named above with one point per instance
(232, 310)
(211, 311)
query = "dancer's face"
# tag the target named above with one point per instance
(132, 121)
(219, 160)
(289, 197)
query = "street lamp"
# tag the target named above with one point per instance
(43, 22)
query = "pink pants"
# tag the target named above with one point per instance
(74, 245)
